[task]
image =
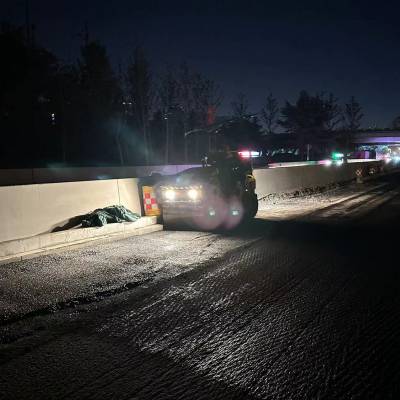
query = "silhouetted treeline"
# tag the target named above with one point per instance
(89, 113)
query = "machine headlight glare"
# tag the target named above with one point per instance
(169, 194)
(193, 194)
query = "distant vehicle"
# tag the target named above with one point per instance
(337, 157)
(220, 194)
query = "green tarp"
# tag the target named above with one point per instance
(108, 215)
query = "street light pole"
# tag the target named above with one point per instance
(166, 138)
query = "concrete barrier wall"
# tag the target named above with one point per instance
(29, 210)
(73, 174)
(290, 179)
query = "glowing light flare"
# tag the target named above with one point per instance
(233, 218)
(249, 154)
(193, 194)
(337, 156)
(169, 194)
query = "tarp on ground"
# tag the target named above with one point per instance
(100, 217)
(108, 215)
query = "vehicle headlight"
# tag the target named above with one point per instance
(169, 194)
(193, 194)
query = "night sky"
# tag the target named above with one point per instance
(347, 47)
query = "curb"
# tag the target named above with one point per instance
(51, 242)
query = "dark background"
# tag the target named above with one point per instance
(67, 99)
(347, 47)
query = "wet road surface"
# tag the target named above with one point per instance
(306, 307)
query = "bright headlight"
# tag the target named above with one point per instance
(169, 194)
(193, 194)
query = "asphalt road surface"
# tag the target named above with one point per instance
(303, 303)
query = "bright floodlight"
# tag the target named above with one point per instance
(337, 156)
(169, 194)
(193, 194)
(249, 154)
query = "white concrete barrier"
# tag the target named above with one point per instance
(286, 180)
(30, 210)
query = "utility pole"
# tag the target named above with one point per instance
(166, 117)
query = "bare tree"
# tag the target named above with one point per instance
(309, 116)
(192, 101)
(352, 121)
(187, 106)
(240, 106)
(269, 113)
(334, 114)
(396, 123)
(99, 95)
(139, 82)
(352, 115)
(168, 98)
(186, 98)
(200, 97)
(207, 98)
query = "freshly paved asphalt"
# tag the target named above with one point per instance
(304, 308)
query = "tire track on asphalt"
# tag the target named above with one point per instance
(379, 203)
(269, 375)
(232, 364)
(169, 376)
(348, 207)
(332, 347)
(382, 357)
(362, 209)
(182, 290)
(192, 349)
(167, 297)
(171, 326)
(312, 320)
(100, 295)
(346, 200)
(73, 302)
